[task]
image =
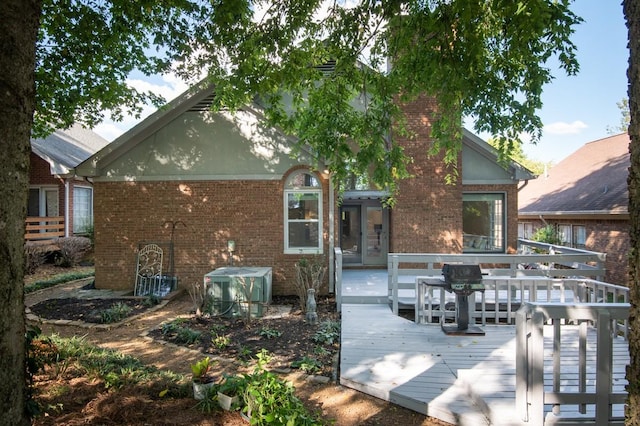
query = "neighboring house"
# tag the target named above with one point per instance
(586, 197)
(60, 204)
(228, 177)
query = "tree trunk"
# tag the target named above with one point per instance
(19, 20)
(632, 14)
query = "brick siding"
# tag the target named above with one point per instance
(250, 212)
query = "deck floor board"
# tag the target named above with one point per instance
(460, 379)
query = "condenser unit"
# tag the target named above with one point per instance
(227, 291)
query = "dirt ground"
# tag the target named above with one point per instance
(86, 401)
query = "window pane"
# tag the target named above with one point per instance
(302, 206)
(303, 235)
(579, 236)
(82, 209)
(564, 233)
(483, 222)
(303, 180)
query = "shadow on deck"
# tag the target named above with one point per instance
(467, 380)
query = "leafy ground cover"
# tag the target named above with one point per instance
(145, 390)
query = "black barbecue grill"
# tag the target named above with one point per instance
(462, 280)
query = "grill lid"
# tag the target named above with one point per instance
(457, 274)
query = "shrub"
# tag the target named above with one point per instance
(309, 274)
(547, 234)
(35, 256)
(115, 313)
(270, 400)
(72, 250)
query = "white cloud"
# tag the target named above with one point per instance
(562, 128)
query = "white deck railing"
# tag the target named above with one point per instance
(577, 380)
(337, 270)
(503, 296)
(404, 267)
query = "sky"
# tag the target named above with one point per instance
(576, 109)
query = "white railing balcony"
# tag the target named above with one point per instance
(570, 363)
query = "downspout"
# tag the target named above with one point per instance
(66, 207)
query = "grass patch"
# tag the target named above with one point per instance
(58, 279)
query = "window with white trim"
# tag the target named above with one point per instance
(564, 234)
(579, 236)
(525, 230)
(483, 222)
(303, 213)
(82, 209)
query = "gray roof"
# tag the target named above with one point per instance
(65, 149)
(592, 180)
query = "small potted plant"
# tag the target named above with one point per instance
(230, 390)
(202, 380)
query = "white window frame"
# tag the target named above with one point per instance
(292, 189)
(525, 230)
(499, 226)
(77, 230)
(579, 236)
(564, 234)
(45, 209)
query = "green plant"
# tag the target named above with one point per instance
(89, 232)
(320, 351)
(547, 234)
(208, 404)
(307, 365)
(117, 369)
(200, 370)
(328, 334)
(244, 353)
(152, 300)
(172, 326)
(117, 312)
(217, 329)
(187, 335)
(221, 342)
(233, 385)
(58, 279)
(270, 333)
(270, 400)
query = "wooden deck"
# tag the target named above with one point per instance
(459, 379)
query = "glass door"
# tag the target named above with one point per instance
(376, 235)
(351, 234)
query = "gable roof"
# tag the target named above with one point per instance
(481, 158)
(591, 181)
(65, 149)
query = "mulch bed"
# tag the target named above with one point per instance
(288, 339)
(86, 310)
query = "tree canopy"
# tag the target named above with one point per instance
(330, 73)
(68, 61)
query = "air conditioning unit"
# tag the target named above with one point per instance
(227, 291)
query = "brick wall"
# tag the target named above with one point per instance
(428, 214)
(605, 236)
(249, 212)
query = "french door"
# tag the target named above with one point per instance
(364, 233)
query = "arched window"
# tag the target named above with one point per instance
(303, 213)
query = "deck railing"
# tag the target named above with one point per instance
(503, 296)
(578, 381)
(404, 267)
(43, 229)
(337, 270)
